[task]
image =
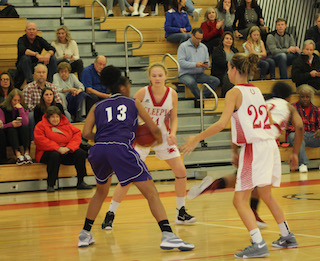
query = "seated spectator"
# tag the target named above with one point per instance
(248, 14)
(177, 25)
(46, 100)
(256, 45)
(192, 11)
(313, 33)
(225, 11)
(71, 90)
(58, 141)
(32, 92)
(67, 50)
(193, 58)
(212, 29)
(14, 116)
(91, 81)
(3, 147)
(6, 86)
(220, 58)
(310, 115)
(133, 9)
(30, 47)
(306, 68)
(282, 46)
(154, 4)
(111, 3)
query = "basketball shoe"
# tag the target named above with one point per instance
(260, 222)
(170, 241)
(85, 239)
(108, 220)
(256, 250)
(286, 242)
(183, 217)
(197, 190)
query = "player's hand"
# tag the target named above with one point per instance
(189, 146)
(235, 159)
(293, 161)
(172, 139)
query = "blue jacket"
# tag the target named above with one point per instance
(175, 21)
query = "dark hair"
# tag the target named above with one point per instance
(281, 90)
(175, 5)
(224, 36)
(197, 30)
(280, 19)
(111, 78)
(42, 104)
(11, 86)
(52, 110)
(253, 3)
(220, 6)
(245, 64)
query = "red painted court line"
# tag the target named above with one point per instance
(66, 202)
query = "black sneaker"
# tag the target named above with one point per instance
(50, 189)
(107, 223)
(183, 217)
(83, 185)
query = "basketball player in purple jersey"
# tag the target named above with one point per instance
(116, 122)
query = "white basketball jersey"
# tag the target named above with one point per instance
(250, 123)
(280, 115)
(159, 112)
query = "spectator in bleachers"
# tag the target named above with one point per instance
(192, 11)
(14, 116)
(310, 115)
(71, 90)
(91, 81)
(111, 3)
(177, 25)
(58, 142)
(3, 147)
(134, 9)
(248, 14)
(306, 68)
(67, 50)
(154, 4)
(6, 85)
(220, 58)
(226, 12)
(46, 100)
(282, 46)
(256, 45)
(212, 29)
(313, 33)
(30, 47)
(32, 92)
(193, 58)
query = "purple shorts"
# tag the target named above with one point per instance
(120, 157)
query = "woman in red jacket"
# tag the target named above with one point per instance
(58, 141)
(212, 29)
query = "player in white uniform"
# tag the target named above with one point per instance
(259, 162)
(161, 102)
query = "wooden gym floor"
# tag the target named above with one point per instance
(41, 226)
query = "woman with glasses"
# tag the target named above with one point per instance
(6, 85)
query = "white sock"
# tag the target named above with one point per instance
(141, 9)
(284, 229)
(113, 206)
(256, 235)
(135, 7)
(181, 202)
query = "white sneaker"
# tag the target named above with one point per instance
(125, 13)
(198, 189)
(196, 14)
(303, 168)
(143, 14)
(171, 241)
(110, 13)
(135, 13)
(85, 239)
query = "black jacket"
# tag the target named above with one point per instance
(314, 34)
(240, 11)
(219, 65)
(301, 71)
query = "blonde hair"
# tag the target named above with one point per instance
(245, 64)
(64, 65)
(209, 10)
(252, 30)
(7, 103)
(307, 42)
(68, 35)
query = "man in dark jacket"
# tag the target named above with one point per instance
(30, 47)
(306, 68)
(313, 33)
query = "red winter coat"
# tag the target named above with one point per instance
(210, 30)
(49, 138)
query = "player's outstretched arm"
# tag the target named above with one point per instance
(156, 132)
(89, 124)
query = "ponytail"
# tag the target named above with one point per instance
(245, 64)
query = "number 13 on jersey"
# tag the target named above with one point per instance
(121, 116)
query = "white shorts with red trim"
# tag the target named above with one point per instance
(259, 165)
(163, 151)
